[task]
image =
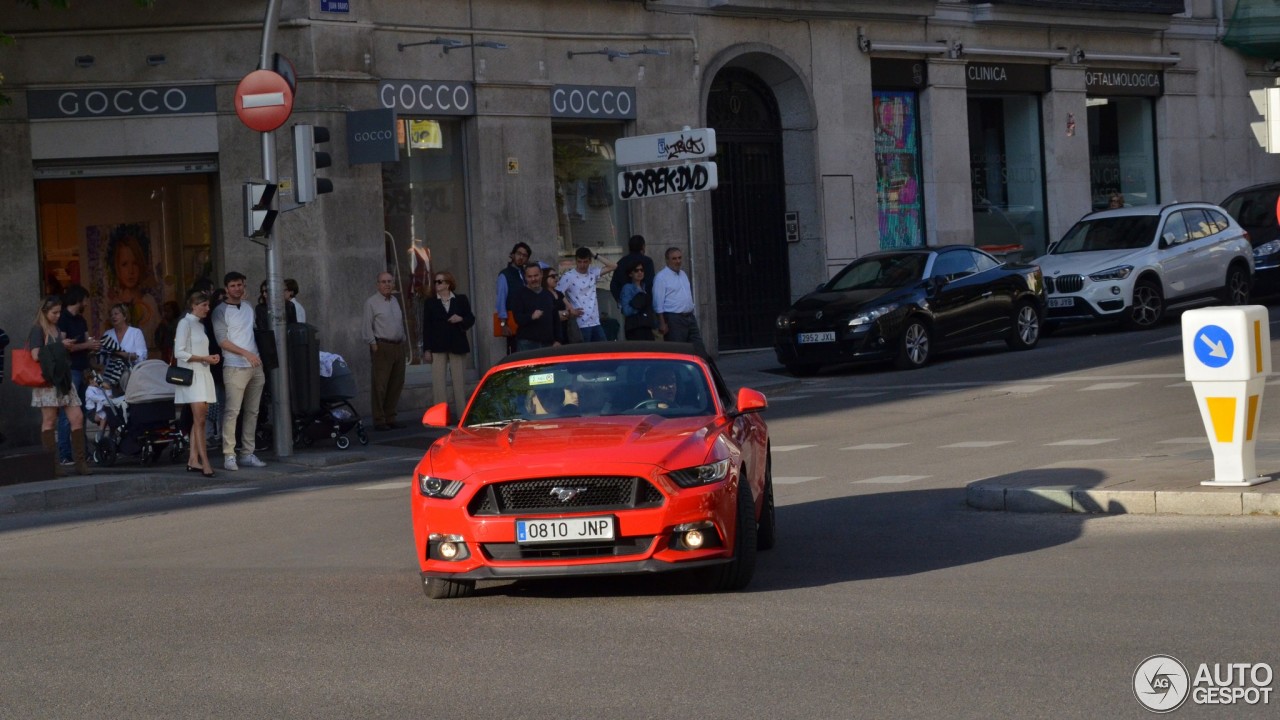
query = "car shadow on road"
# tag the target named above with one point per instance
(864, 537)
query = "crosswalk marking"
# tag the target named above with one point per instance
(876, 446)
(221, 491)
(1082, 441)
(978, 444)
(795, 479)
(789, 448)
(397, 485)
(890, 480)
(1108, 386)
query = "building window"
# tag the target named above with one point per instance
(141, 240)
(898, 198)
(1122, 151)
(1007, 173)
(424, 203)
(587, 207)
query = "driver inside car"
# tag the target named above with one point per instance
(661, 386)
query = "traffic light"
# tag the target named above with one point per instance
(258, 215)
(307, 159)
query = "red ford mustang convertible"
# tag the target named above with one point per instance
(596, 459)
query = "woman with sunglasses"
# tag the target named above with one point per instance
(563, 321)
(446, 319)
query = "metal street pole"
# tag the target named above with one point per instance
(281, 416)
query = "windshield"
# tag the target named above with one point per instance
(881, 272)
(592, 388)
(1127, 232)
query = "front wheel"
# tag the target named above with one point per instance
(766, 530)
(1236, 291)
(736, 574)
(913, 346)
(1147, 309)
(1025, 333)
(442, 589)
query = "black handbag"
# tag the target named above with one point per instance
(179, 376)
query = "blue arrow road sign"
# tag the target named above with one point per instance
(1213, 346)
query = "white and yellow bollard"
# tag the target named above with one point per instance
(1227, 355)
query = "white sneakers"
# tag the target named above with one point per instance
(247, 461)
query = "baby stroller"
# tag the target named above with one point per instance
(143, 423)
(336, 417)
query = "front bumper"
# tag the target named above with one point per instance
(1094, 300)
(866, 343)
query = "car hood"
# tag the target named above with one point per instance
(843, 301)
(1083, 263)
(533, 448)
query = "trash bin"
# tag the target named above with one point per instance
(303, 348)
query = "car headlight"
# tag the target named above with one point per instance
(1268, 248)
(434, 487)
(783, 322)
(701, 475)
(870, 316)
(1116, 273)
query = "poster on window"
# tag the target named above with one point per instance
(123, 270)
(897, 148)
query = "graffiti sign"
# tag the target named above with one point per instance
(667, 180)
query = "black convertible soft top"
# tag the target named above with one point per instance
(603, 348)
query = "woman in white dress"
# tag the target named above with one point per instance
(191, 350)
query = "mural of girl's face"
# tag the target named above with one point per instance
(128, 267)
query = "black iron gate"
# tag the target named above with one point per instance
(752, 275)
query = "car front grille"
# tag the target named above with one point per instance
(1064, 283)
(604, 548)
(583, 493)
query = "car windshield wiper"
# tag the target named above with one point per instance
(494, 423)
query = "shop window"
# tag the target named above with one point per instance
(898, 198)
(1007, 174)
(424, 203)
(1122, 154)
(588, 211)
(142, 241)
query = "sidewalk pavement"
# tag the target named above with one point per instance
(1167, 483)
(129, 480)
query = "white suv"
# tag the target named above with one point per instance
(1131, 263)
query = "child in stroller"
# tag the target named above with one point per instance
(144, 422)
(336, 417)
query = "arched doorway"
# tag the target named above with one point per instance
(747, 208)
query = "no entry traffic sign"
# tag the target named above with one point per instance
(263, 100)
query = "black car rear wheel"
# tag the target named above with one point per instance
(1025, 333)
(913, 346)
(443, 589)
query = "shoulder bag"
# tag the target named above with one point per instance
(25, 370)
(177, 375)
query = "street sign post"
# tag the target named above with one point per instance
(264, 100)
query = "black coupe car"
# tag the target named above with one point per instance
(903, 305)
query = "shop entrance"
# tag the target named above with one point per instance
(141, 240)
(748, 235)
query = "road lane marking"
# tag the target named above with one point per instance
(978, 444)
(397, 485)
(1109, 386)
(787, 398)
(789, 448)
(857, 395)
(220, 491)
(876, 446)
(795, 479)
(1082, 441)
(890, 480)
(1024, 389)
(1185, 441)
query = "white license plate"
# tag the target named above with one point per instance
(1062, 302)
(820, 337)
(564, 530)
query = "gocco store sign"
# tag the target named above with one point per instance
(593, 101)
(120, 102)
(428, 97)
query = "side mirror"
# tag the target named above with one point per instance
(750, 401)
(820, 286)
(436, 416)
(937, 282)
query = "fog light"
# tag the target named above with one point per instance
(1115, 290)
(448, 550)
(693, 539)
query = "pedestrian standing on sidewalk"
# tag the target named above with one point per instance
(75, 328)
(511, 277)
(446, 319)
(49, 348)
(191, 350)
(242, 376)
(291, 294)
(635, 254)
(580, 285)
(382, 329)
(534, 310)
(673, 302)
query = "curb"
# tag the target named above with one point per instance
(1074, 499)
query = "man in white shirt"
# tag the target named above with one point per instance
(580, 285)
(382, 329)
(673, 302)
(242, 374)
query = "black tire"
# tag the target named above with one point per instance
(105, 453)
(1147, 309)
(442, 589)
(802, 369)
(913, 345)
(766, 529)
(1027, 327)
(342, 441)
(363, 436)
(1238, 286)
(736, 574)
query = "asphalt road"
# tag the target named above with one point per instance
(886, 597)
